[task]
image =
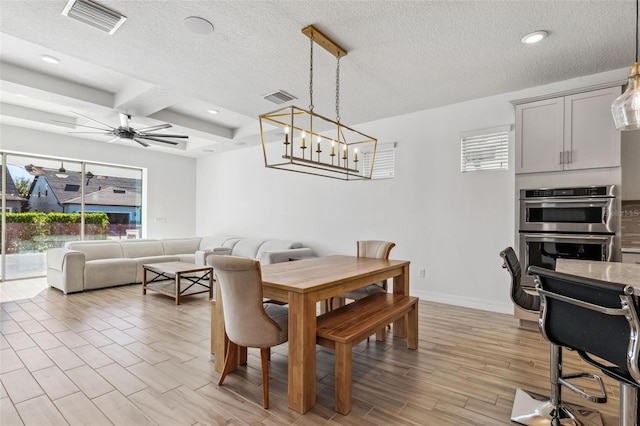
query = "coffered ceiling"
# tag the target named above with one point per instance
(403, 56)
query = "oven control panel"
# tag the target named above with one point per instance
(588, 191)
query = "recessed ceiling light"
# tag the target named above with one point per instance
(534, 37)
(208, 150)
(50, 59)
(198, 25)
(212, 111)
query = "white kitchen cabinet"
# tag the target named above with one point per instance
(630, 257)
(567, 133)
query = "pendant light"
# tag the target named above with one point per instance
(311, 143)
(626, 107)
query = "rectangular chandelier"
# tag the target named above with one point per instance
(302, 141)
(316, 145)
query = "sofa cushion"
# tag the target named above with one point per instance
(207, 243)
(109, 272)
(276, 245)
(97, 250)
(247, 247)
(151, 259)
(181, 245)
(141, 248)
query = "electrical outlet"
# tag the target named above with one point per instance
(422, 273)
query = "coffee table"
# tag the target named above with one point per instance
(169, 277)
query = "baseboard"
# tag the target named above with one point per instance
(466, 302)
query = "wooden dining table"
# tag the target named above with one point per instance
(301, 284)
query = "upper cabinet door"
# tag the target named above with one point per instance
(591, 139)
(540, 136)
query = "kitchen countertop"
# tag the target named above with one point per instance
(617, 272)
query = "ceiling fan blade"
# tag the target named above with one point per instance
(114, 139)
(78, 125)
(91, 119)
(93, 133)
(162, 135)
(153, 128)
(143, 143)
(156, 139)
(124, 120)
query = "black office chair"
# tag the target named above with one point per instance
(595, 318)
(530, 408)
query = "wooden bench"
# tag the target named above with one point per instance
(348, 325)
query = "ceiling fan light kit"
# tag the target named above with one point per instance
(314, 144)
(626, 108)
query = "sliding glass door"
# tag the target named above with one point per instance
(47, 202)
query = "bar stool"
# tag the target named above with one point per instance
(595, 318)
(530, 408)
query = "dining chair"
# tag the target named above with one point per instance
(248, 321)
(530, 408)
(600, 321)
(367, 248)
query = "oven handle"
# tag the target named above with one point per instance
(586, 202)
(576, 238)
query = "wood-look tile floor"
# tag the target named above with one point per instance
(115, 356)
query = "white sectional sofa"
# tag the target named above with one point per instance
(85, 265)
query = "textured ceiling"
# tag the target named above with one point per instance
(403, 56)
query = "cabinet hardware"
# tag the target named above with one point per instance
(567, 157)
(561, 157)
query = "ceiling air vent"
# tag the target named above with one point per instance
(94, 14)
(279, 97)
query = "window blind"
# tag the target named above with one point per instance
(384, 163)
(486, 149)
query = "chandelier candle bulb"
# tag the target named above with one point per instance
(355, 155)
(286, 135)
(303, 144)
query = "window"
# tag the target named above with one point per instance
(384, 163)
(486, 149)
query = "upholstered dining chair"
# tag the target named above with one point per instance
(599, 320)
(374, 249)
(531, 408)
(248, 322)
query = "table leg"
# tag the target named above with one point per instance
(178, 288)
(302, 352)
(210, 284)
(144, 280)
(401, 286)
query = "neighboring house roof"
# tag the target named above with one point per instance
(109, 197)
(68, 190)
(12, 191)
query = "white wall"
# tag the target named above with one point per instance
(170, 180)
(449, 223)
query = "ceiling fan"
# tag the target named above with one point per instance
(125, 131)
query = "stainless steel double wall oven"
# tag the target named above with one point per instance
(567, 223)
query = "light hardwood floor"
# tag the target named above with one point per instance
(115, 356)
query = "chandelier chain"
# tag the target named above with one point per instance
(311, 73)
(338, 90)
(637, 32)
